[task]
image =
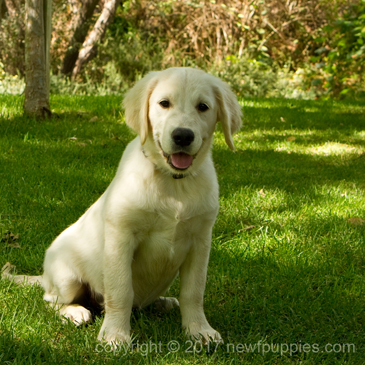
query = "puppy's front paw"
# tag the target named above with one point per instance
(114, 335)
(203, 332)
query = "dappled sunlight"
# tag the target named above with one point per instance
(334, 148)
(256, 208)
(308, 106)
(360, 134)
(10, 106)
(313, 142)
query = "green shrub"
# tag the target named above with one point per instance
(12, 35)
(10, 84)
(341, 52)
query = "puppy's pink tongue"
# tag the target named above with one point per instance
(181, 160)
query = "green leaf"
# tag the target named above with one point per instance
(314, 59)
(344, 91)
(321, 50)
(328, 28)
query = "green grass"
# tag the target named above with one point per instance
(287, 268)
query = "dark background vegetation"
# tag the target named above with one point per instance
(288, 48)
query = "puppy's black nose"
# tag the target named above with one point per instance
(182, 136)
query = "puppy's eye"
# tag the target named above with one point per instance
(203, 107)
(165, 103)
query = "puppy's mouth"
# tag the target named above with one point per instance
(179, 161)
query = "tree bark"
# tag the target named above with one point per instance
(38, 29)
(15, 55)
(88, 50)
(80, 26)
(2, 11)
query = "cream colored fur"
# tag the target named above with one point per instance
(148, 227)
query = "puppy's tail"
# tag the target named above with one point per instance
(8, 272)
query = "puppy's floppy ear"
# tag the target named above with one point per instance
(229, 111)
(136, 105)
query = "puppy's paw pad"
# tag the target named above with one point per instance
(76, 314)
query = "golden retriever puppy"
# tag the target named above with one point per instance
(155, 220)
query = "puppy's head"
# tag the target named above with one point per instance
(175, 112)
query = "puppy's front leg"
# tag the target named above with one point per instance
(193, 275)
(118, 289)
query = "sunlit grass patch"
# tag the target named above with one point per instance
(334, 148)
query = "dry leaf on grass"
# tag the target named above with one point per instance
(93, 119)
(356, 221)
(10, 239)
(262, 193)
(246, 229)
(291, 139)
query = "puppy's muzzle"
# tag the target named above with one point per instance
(181, 138)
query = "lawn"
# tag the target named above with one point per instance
(286, 278)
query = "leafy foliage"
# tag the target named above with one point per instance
(345, 59)
(12, 35)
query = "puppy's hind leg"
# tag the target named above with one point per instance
(65, 291)
(165, 304)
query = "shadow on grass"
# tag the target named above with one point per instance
(310, 122)
(279, 299)
(292, 172)
(251, 298)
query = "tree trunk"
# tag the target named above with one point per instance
(2, 11)
(14, 48)
(80, 26)
(38, 27)
(88, 50)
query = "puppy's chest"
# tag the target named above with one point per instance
(163, 243)
(173, 212)
(175, 206)
(167, 229)
(168, 223)
(169, 219)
